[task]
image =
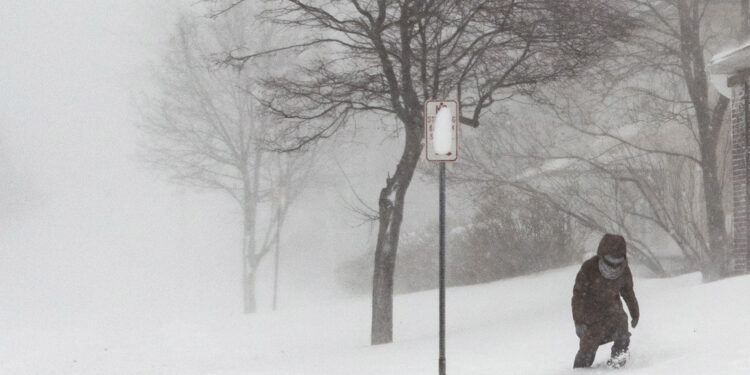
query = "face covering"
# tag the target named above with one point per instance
(613, 259)
(611, 272)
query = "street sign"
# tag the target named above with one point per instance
(441, 145)
(441, 129)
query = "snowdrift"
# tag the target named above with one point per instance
(516, 326)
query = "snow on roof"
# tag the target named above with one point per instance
(627, 131)
(728, 51)
(731, 60)
(668, 137)
(553, 165)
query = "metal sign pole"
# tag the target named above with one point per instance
(442, 269)
(441, 146)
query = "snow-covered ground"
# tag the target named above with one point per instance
(517, 326)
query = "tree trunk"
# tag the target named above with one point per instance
(709, 125)
(713, 262)
(277, 255)
(745, 14)
(249, 292)
(249, 257)
(248, 271)
(391, 208)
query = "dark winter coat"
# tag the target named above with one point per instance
(596, 299)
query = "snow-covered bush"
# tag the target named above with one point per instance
(508, 235)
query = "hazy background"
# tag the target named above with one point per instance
(89, 234)
(103, 258)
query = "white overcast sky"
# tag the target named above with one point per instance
(87, 231)
(84, 225)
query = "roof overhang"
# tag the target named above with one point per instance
(728, 64)
(732, 61)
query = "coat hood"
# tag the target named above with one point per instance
(613, 245)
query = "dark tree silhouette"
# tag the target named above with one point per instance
(387, 57)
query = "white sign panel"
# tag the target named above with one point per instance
(441, 130)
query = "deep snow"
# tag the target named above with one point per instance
(516, 326)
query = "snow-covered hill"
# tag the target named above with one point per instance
(517, 326)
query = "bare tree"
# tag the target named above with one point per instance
(655, 87)
(388, 57)
(688, 54)
(666, 65)
(585, 187)
(207, 131)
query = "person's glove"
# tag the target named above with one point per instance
(580, 330)
(634, 322)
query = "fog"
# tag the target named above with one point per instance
(90, 231)
(101, 250)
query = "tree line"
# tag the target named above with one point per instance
(564, 101)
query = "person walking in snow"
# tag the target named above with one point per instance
(597, 311)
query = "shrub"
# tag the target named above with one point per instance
(508, 235)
